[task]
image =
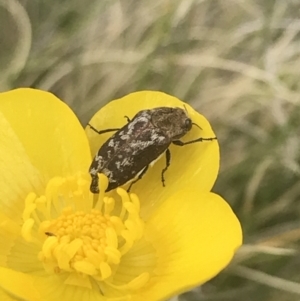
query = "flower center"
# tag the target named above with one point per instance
(87, 238)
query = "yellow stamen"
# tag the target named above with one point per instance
(85, 236)
(26, 229)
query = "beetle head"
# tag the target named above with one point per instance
(174, 122)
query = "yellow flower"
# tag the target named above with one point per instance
(60, 242)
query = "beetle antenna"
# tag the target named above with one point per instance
(198, 126)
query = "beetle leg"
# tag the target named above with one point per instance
(107, 130)
(181, 143)
(103, 131)
(94, 188)
(127, 118)
(138, 178)
(168, 161)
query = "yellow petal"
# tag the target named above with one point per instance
(47, 288)
(195, 165)
(17, 285)
(5, 296)
(18, 176)
(9, 234)
(53, 288)
(48, 130)
(195, 235)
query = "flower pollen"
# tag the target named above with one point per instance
(87, 242)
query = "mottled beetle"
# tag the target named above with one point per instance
(128, 153)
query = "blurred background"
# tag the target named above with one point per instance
(236, 61)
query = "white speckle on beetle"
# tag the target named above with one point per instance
(111, 143)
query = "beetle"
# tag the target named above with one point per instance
(127, 154)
